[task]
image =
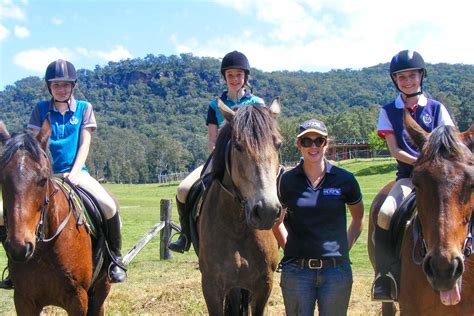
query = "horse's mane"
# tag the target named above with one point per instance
(443, 143)
(21, 140)
(253, 129)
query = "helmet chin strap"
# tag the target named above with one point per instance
(411, 95)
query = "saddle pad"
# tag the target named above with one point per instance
(81, 210)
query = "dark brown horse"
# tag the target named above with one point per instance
(50, 256)
(437, 273)
(237, 250)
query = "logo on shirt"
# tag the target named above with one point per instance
(332, 191)
(73, 120)
(426, 118)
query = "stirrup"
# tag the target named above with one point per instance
(393, 296)
(6, 282)
(112, 266)
(176, 247)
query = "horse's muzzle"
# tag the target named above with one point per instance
(263, 215)
(441, 273)
(18, 252)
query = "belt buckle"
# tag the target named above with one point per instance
(315, 264)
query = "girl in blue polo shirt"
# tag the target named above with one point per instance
(313, 231)
(235, 69)
(72, 123)
(407, 71)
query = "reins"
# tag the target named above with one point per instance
(40, 229)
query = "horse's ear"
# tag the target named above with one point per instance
(4, 135)
(44, 133)
(417, 134)
(226, 112)
(275, 106)
(467, 137)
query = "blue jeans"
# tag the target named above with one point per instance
(303, 287)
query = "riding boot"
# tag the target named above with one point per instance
(184, 241)
(117, 271)
(6, 283)
(385, 287)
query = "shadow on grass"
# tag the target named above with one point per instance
(376, 170)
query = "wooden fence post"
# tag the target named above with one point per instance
(165, 233)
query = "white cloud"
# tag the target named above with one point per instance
(116, 54)
(57, 21)
(4, 32)
(38, 59)
(329, 34)
(21, 32)
(11, 11)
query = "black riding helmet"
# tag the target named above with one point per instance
(408, 60)
(235, 60)
(60, 70)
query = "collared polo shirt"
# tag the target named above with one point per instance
(316, 216)
(215, 117)
(65, 130)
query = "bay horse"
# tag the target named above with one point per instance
(49, 254)
(437, 271)
(238, 252)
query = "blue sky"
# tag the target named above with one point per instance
(309, 35)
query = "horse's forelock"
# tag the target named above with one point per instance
(443, 143)
(254, 129)
(24, 141)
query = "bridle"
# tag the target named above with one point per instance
(418, 237)
(40, 228)
(227, 183)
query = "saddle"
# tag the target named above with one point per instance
(88, 213)
(193, 205)
(400, 221)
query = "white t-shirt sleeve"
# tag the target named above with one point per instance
(383, 125)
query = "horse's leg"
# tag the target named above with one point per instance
(97, 297)
(260, 298)
(388, 309)
(24, 306)
(214, 297)
(78, 303)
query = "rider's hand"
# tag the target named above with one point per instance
(73, 177)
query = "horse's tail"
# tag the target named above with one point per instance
(237, 302)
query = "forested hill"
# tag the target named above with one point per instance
(151, 111)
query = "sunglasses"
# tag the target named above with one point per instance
(308, 142)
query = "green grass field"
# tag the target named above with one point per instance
(173, 286)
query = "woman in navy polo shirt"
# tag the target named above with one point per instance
(235, 69)
(313, 232)
(407, 70)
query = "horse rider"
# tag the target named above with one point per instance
(407, 71)
(72, 124)
(235, 69)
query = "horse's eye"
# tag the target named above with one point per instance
(238, 147)
(42, 182)
(278, 145)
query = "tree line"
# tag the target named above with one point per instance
(151, 111)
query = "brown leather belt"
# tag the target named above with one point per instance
(316, 264)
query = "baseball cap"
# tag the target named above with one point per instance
(315, 126)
